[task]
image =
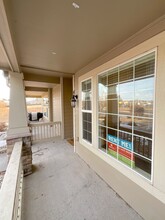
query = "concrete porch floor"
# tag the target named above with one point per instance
(63, 187)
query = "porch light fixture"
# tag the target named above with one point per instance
(74, 100)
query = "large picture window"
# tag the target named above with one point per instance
(125, 113)
(86, 111)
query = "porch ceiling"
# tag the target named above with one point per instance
(77, 36)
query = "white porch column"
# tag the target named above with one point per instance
(50, 104)
(17, 113)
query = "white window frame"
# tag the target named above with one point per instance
(82, 140)
(153, 126)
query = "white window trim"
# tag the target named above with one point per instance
(81, 140)
(154, 105)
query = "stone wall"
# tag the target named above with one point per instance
(26, 152)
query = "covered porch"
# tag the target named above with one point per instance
(61, 48)
(63, 186)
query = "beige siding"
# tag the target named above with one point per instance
(57, 103)
(144, 196)
(68, 111)
(143, 201)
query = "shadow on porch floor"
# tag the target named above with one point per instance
(64, 187)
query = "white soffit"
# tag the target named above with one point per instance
(77, 36)
(4, 60)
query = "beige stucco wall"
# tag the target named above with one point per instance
(62, 110)
(57, 103)
(143, 195)
(68, 111)
(159, 150)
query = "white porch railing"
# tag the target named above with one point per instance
(3, 135)
(11, 190)
(46, 130)
(3, 145)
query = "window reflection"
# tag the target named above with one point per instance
(145, 65)
(103, 80)
(126, 137)
(126, 72)
(112, 142)
(86, 105)
(102, 119)
(126, 95)
(112, 132)
(144, 84)
(102, 106)
(143, 108)
(143, 127)
(102, 132)
(144, 97)
(142, 166)
(112, 121)
(102, 144)
(125, 107)
(127, 87)
(113, 106)
(113, 76)
(142, 146)
(125, 123)
(86, 95)
(86, 85)
(112, 91)
(103, 91)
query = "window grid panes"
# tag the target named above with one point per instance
(125, 113)
(86, 111)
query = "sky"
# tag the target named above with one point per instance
(4, 89)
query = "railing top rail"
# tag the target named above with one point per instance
(33, 124)
(9, 184)
(3, 135)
